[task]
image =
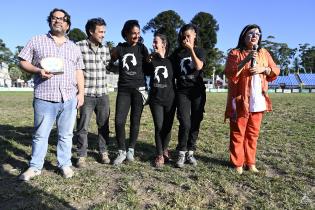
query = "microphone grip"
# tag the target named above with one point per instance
(252, 62)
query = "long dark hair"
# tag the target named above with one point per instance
(67, 17)
(241, 45)
(129, 24)
(182, 30)
(165, 41)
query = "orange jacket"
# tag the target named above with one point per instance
(239, 86)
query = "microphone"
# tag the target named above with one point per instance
(253, 60)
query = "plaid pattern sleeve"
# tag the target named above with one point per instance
(27, 52)
(95, 62)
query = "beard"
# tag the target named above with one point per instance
(57, 30)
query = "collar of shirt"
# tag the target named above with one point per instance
(91, 44)
(49, 35)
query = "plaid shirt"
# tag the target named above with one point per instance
(61, 87)
(95, 68)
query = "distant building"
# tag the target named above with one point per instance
(5, 80)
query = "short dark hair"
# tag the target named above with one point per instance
(184, 28)
(241, 40)
(129, 24)
(92, 23)
(67, 17)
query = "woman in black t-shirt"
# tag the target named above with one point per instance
(188, 63)
(132, 55)
(162, 95)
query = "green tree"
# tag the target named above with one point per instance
(15, 65)
(168, 21)
(76, 35)
(280, 52)
(296, 65)
(16, 59)
(207, 39)
(15, 73)
(5, 53)
(110, 44)
(307, 55)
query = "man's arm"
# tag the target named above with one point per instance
(30, 68)
(80, 83)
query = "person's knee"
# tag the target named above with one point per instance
(119, 123)
(185, 124)
(198, 117)
(158, 128)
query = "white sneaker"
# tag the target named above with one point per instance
(67, 172)
(130, 154)
(29, 174)
(120, 158)
(181, 159)
(191, 159)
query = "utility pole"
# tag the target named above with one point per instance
(213, 76)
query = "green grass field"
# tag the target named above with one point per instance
(285, 159)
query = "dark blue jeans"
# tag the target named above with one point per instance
(163, 117)
(126, 99)
(190, 109)
(100, 106)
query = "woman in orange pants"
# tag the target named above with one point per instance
(248, 68)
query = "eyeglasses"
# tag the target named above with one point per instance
(61, 19)
(251, 34)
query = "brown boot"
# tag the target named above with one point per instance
(159, 161)
(81, 162)
(104, 158)
(166, 155)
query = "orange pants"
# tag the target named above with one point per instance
(243, 139)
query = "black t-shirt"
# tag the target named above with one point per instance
(131, 61)
(162, 81)
(187, 77)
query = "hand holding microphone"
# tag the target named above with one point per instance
(253, 68)
(253, 59)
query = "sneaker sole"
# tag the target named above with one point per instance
(179, 165)
(28, 179)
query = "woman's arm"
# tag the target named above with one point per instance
(198, 63)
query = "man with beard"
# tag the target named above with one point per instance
(96, 57)
(57, 64)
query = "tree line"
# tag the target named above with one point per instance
(290, 60)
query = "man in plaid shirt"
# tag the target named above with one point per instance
(56, 96)
(96, 57)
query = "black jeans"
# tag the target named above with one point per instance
(100, 106)
(163, 117)
(127, 98)
(190, 109)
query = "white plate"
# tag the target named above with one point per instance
(52, 64)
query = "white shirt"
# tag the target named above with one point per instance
(257, 102)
